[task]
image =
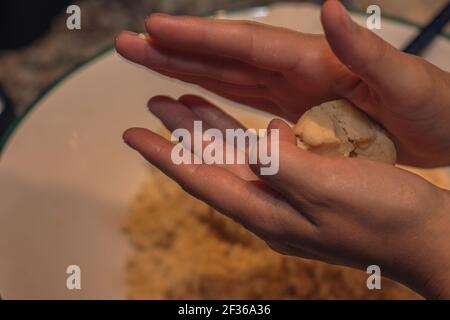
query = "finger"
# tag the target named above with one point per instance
(301, 176)
(364, 53)
(175, 115)
(238, 94)
(253, 43)
(207, 111)
(232, 83)
(246, 202)
(217, 118)
(134, 48)
(145, 52)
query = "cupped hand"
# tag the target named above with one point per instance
(286, 72)
(352, 212)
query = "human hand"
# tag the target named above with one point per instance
(286, 72)
(352, 212)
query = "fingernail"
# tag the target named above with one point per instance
(155, 104)
(143, 36)
(347, 21)
(160, 98)
(125, 138)
(130, 33)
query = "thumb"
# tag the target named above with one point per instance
(301, 173)
(367, 55)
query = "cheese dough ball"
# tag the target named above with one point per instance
(339, 129)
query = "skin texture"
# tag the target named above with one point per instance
(352, 212)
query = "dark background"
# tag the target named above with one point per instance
(22, 21)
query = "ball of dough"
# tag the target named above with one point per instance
(337, 128)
